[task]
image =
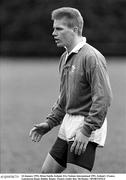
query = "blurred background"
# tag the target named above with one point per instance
(29, 79)
(27, 26)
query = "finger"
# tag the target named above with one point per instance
(77, 147)
(84, 147)
(73, 146)
(31, 131)
(36, 137)
(39, 138)
(80, 150)
(33, 137)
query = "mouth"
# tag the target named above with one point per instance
(57, 41)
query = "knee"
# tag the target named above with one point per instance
(71, 169)
(44, 170)
(74, 169)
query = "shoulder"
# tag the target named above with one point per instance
(92, 57)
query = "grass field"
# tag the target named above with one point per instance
(27, 93)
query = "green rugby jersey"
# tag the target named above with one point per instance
(84, 88)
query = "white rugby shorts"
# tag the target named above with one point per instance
(72, 123)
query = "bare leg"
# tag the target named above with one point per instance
(51, 165)
(72, 168)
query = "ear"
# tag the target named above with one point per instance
(75, 29)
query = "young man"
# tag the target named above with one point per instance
(85, 95)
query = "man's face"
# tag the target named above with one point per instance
(63, 35)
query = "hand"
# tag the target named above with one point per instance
(38, 131)
(80, 143)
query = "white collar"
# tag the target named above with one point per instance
(78, 46)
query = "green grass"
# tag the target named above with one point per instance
(28, 91)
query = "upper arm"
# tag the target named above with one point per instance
(97, 77)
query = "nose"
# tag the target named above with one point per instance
(54, 33)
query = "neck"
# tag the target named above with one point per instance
(75, 41)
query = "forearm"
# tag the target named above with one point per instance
(95, 119)
(57, 114)
(55, 118)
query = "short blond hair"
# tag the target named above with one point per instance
(72, 15)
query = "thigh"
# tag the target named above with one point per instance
(85, 161)
(73, 168)
(56, 159)
(51, 165)
(59, 151)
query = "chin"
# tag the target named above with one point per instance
(60, 45)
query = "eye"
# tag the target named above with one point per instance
(59, 28)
